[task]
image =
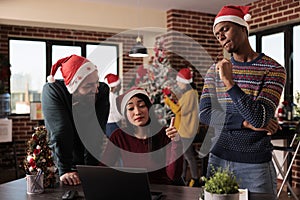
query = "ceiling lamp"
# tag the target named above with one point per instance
(138, 50)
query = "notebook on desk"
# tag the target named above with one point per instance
(115, 183)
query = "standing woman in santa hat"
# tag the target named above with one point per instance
(239, 99)
(75, 111)
(114, 117)
(186, 121)
(143, 142)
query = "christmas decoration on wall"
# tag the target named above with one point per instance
(39, 157)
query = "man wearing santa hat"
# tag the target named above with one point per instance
(114, 117)
(239, 99)
(75, 111)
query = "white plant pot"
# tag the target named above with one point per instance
(212, 196)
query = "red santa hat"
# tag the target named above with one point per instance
(125, 97)
(236, 14)
(184, 76)
(112, 80)
(74, 70)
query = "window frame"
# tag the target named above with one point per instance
(288, 50)
(81, 44)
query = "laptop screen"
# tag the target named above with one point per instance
(100, 182)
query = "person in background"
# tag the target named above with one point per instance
(143, 142)
(75, 111)
(186, 120)
(114, 117)
(239, 99)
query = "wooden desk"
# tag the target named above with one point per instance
(16, 190)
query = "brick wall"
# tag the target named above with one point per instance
(197, 46)
(267, 14)
(22, 129)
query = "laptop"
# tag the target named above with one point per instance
(106, 183)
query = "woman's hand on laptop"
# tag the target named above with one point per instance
(70, 178)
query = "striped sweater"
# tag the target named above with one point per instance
(254, 98)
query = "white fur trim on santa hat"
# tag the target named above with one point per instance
(247, 17)
(84, 70)
(231, 18)
(114, 84)
(182, 80)
(50, 79)
(128, 96)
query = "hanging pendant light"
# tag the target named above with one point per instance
(138, 50)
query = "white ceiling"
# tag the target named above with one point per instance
(205, 6)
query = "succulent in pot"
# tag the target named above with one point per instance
(222, 185)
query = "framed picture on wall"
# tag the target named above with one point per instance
(5, 130)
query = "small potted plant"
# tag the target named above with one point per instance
(222, 185)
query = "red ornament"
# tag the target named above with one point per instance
(36, 151)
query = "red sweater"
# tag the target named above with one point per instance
(164, 166)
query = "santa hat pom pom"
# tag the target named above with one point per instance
(50, 79)
(247, 17)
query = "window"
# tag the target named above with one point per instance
(31, 62)
(28, 72)
(104, 57)
(252, 41)
(61, 51)
(281, 44)
(295, 61)
(273, 46)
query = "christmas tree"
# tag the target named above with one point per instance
(155, 77)
(39, 157)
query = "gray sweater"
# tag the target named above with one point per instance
(74, 132)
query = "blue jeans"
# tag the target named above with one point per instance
(110, 128)
(257, 178)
